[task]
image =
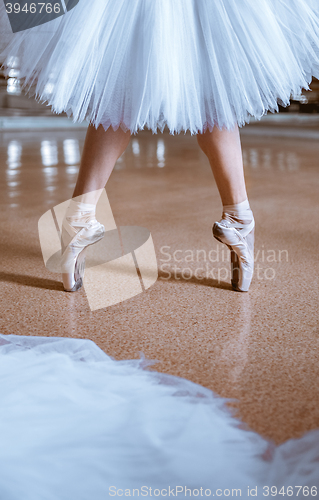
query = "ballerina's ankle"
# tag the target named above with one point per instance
(240, 213)
(80, 214)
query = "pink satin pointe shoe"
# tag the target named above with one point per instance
(77, 235)
(239, 238)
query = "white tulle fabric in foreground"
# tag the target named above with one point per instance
(76, 424)
(187, 64)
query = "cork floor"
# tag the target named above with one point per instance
(260, 348)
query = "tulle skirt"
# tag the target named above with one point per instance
(184, 64)
(77, 425)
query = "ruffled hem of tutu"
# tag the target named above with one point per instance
(160, 125)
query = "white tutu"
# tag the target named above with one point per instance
(187, 64)
(76, 425)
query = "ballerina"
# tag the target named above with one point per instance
(204, 66)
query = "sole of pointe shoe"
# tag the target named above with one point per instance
(234, 269)
(78, 273)
(250, 239)
(77, 286)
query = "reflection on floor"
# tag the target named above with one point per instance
(260, 347)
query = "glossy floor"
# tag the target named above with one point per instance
(262, 347)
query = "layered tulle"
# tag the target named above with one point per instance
(75, 424)
(186, 64)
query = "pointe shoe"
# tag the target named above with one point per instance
(240, 240)
(74, 247)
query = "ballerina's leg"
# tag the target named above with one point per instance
(80, 227)
(101, 151)
(236, 227)
(223, 150)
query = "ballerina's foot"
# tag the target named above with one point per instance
(73, 281)
(238, 235)
(77, 234)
